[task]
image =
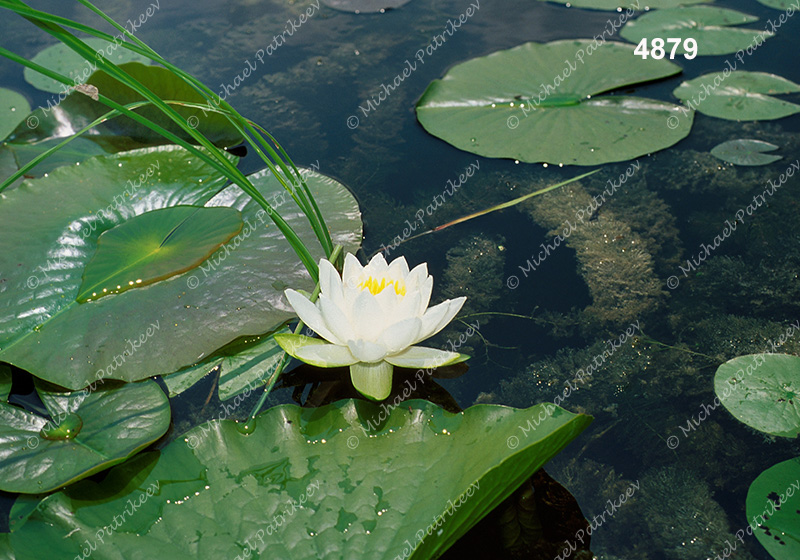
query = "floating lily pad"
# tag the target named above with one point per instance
(710, 26)
(88, 431)
(13, 108)
(154, 246)
(246, 362)
(774, 500)
(364, 6)
(781, 5)
(499, 105)
(5, 382)
(50, 228)
(77, 110)
(307, 483)
(763, 391)
(62, 59)
(739, 96)
(634, 5)
(745, 152)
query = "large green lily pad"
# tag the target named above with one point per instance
(739, 95)
(710, 26)
(634, 5)
(154, 246)
(537, 103)
(77, 110)
(763, 391)
(13, 108)
(244, 363)
(88, 431)
(5, 382)
(781, 5)
(772, 503)
(50, 228)
(307, 483)
(62, 59)
(745, 151)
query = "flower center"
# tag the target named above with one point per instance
(375, 287)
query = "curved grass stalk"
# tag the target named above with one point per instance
(304, 200)
(52, 25)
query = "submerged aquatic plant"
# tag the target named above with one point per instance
(372, 316)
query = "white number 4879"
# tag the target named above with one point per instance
(657, 50)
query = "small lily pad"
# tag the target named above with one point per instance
(710, 26)
(88, 431)
(62, 59)
(634, 5)
(543, 103)
(365, 6)
(745, 151)
(739, 95)
(154, 246)
(772, 503)
(13, 108)
(763, 391)
(781, 5)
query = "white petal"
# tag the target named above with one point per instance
(366, 351)
(374, 381)
(425, 295)
(335, 319)
(418, 275)
(438, 316)
(330, 284)
(377, 266)
(400, 335)
(407, 307)
(388, 301)
(311, 316)
(398, 269)
(422, 357)
(367, 318)
(352, 271)
(326, 355)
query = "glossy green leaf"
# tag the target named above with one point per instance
(763, 391)
(62, 59)
(154, 246)
(365, 493)
(246, 362)
(745, 151)
(364, 6)
(709, 26)
(632, 5)
(539, 103)
(18, 155)
(69, 113)
(739, 95)
(781, 5)
(13, 109)
(772, 503)
(5, 382)
(50, 228)
(88, 431)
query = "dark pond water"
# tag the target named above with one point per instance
(558, 318)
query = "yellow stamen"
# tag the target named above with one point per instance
(375, 287)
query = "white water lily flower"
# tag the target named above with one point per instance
(371, 318)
